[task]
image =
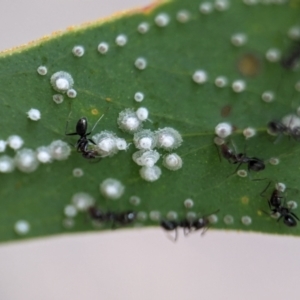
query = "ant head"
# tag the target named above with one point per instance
(256, 164)
(168, 225)
(276, 127)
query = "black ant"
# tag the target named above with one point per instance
(83, 141)
(124, 218)
(171, 226)
(277, 127)
(254, 163)
(186, 224)
(97, 214)
(275, 204)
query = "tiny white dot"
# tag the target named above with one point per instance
(206, 8)
(138, 96)
(228, 219)
(239, 39)
(188, 203)
(2, 145)
(135, 200)
(191, 216)
(213, 219)
(294, 33)
(34, 114)
(71, 93)
(221, 81)
(238, 86)
(172, 162)
(121, 144)
(162, 20)
(292, 204)
(77, 172)
(121, 40)
(246, 220)
(70, 211)
(150, 173)
(142, 113)
(22, 227)
(140, 63)
(59, 150)
(249, 132)
(143, 27)
(200, 76)
(26, 160)
(112, 188)
(154, 215)
(82, 201)
(7, 164)
(268, 96)
(242, 173)
(103, 47)
(42, 70)
(183, 16)
(221, 5)
(15, 142)
(58, 99)
(273, 55)
(274, 161)
(280, 186)
(172, 215)
(218, 141)
(78, 51)
(223, 130)
(43, 154)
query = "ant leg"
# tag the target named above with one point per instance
(239, 165)
(270, 206)
(67, 124)
(234, 146)
(99, 120)
(294, 215)
(186, 231)
(173, 239)
(176, 235)
(279, 218)
(266, 212)
(262, 193)
(90, 140)
(218, 153)
(204, 230)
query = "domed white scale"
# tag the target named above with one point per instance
(61, 81)
(112, 188)
(168, 138)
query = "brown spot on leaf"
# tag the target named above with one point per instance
(249, 65)
(245, 200)
(226, 110)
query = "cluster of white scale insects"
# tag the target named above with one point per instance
(144, 140)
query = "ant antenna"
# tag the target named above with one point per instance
(100, 119)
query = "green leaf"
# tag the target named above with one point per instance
(173, 54)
